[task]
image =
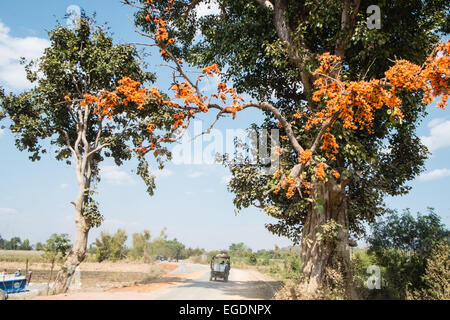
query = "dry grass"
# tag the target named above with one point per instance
(93, 274)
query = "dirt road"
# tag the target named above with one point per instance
(189, 281)
(241, 285)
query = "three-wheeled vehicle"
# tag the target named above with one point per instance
(220, 267)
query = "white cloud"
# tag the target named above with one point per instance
(226, 179)
(439, 135)
(7, 211)
(12, 74)
(205, 9)
(113, 175)
(2, 131)
(195, 174)
(162, 173)
(64, 186)
(435, 174)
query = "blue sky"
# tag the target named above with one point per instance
(190, 200)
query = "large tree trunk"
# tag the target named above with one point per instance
(325, 251)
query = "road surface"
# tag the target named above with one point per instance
(242, 284)
(188, 282)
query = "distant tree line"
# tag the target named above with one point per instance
(15, 243)
(113, 247)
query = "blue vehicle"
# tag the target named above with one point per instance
(11, 284)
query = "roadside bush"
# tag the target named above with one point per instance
(360, 261)
(252, 259)
(402, 245)
(265, 261)
(291, 265)
(437, 275)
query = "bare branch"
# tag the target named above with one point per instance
(66, 137)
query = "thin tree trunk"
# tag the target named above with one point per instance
(325, 251)
(78, 250)
(51, 275)
(75, 256)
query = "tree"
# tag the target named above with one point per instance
(55, 250)
(437, 275)
(403, 245)
(177, 250)
(14, 244)
(88, 104)
(141, 245)
(39, 246)
(346, 111)
(26, 245)
(239, 249)
(111, 247)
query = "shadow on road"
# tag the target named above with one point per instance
(245, 289)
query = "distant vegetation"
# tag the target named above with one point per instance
(15, 243)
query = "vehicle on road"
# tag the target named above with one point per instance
(220, 267)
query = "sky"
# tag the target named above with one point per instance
(191, 200)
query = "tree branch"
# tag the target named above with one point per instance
(348, 21)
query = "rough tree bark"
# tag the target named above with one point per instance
(325, 246)
(321, 255)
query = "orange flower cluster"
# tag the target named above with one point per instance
(133, 92)
(291, 188)
(179, 119)
(156, 16)
(185, 91)
(307, 186)
(320, 171)
(437, 74)
(155, 93)
(161, 34)
(151, 128)
(128, 91)
(330, 145)
(222, 91)
(305, 156)
(336, 174)
(104, 103)
(210, 70)
(354, 102)
(289, 184)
